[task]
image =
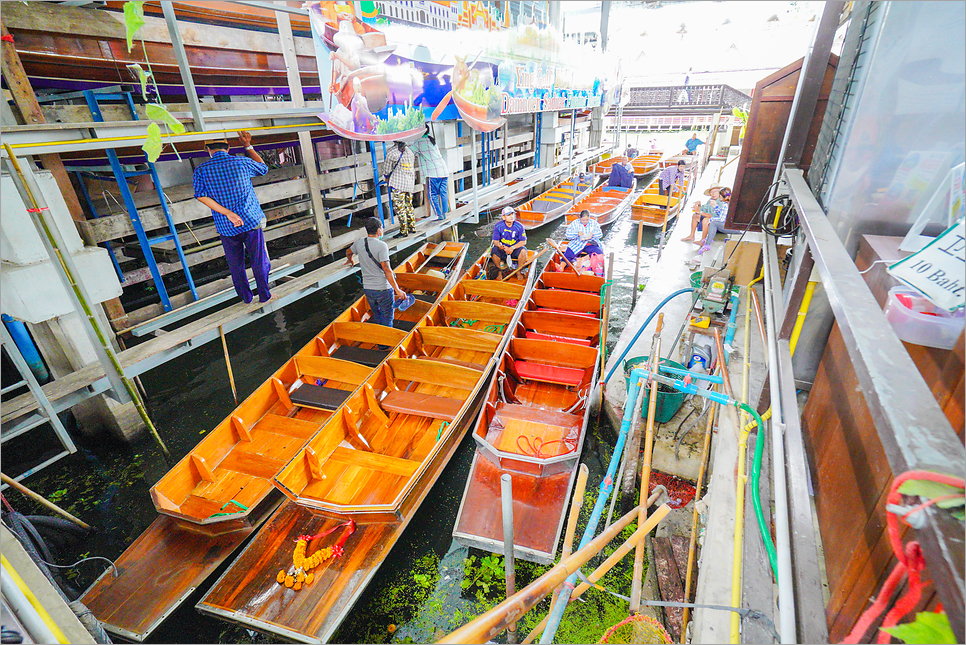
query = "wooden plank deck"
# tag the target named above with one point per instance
(162, 568)
(248, 592)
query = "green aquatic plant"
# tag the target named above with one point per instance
(486, 574)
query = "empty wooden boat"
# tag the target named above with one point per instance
(230, 471)
(647, 163)
(187, 551)
(552, 204)
(373, 464)
(656, 210)
(534, 418)
(515, 197)
(604, 167)
(605, 203)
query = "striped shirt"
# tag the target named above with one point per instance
(403, 178)
(228, 180)
(431, 163)
(671, 175)
(576, 229)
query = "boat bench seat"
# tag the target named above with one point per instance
(370, 357)
(586, 314)
(317, 396)
(569, 376)
(405, 325)
(559, 339)
(453, 361)
(422, 405)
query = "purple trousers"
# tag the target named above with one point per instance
(253, 242)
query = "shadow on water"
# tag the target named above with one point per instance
(417, 595)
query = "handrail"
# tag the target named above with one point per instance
(727, 163)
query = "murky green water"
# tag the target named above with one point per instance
(417, 594)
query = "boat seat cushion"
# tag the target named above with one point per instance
(317, 396)
(405, 325)
(568, 376)
(422, 405)
(560, 339)
(370, 357)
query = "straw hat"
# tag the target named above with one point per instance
(712, 187)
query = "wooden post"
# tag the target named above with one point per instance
(637, 263)
(42, 500)
(306, 147)
(575, 505)
(509, 563)
(231, 376)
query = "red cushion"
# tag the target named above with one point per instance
(561, 339)
(569, 376)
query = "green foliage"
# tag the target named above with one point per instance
(927, 490)
(422, 580)
(487, 576)
(133, 20)
(143, 77)
(152, 143)
(157, 112)
(411, 119)
(928, 627)
(478, 95)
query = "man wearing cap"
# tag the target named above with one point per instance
(509, 239)
(378, 280)
(224, 184)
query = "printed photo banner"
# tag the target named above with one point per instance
(378, 89)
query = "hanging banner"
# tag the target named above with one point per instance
(444, 60)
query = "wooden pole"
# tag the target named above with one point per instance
(43, 501)
(490, 624)
(231, 376)
(575, 505)
(632, 452)
(509, 563)
(523, 265)
(561, 253)
(637, 263)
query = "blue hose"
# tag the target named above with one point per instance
(641, 330)
(732, 325)
(28, 349)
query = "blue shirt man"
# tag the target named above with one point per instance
(693, 143)
(509, 238)
(224, 184)
(620, 176)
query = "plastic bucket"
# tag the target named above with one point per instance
(668, 403)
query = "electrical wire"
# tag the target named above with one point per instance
(71, 566)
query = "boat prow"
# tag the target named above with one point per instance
(605, 203)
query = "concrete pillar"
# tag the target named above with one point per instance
(550, 130)
(596, 127)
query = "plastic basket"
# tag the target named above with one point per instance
(668, 403)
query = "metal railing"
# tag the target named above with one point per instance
(688, 96)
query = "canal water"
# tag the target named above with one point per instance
(425, 588)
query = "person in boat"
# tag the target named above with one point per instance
(434, 172)
(631, 152)
(509, 241)
(400, 170)
(378, 280)
(224, 184)
(672, 176)
(583, 236)
(717, 222)
(692, 144)
(620, 176)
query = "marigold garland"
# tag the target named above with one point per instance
(300, 573)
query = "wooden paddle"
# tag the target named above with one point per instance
(557, 249)
(449, 95)
(525, 264)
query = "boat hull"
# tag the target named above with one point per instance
(551, 205)
(606, 204)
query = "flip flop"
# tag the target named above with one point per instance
(405, 303)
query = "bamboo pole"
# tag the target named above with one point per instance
(561, 253)
(231, 376)
(575, 505)
(509, 563)
(597, 574)
(40, 499)
(490, 624)
(637, 262)
(523, 265)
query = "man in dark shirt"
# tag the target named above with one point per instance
(509, 239)
(224, 184)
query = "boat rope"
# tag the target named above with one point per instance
(534, 446)
(495, 328)
(442, 426)
(581, 399)
(231, 501)
(301, 573)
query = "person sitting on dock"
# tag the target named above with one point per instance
(224, 184)
(717, 222)
(583, 236)
(671, 176)
(692, 144)
(619, 176)
(378, 280)
(509, 239)
(698, 218)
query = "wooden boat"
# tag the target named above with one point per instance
(549, 206)
(656, 210)
(604, 167)
(605, 203)
(517, 196)
(447, 369)
(534, 419)
(647, 163)
(136, 601)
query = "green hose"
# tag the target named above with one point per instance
(755, 487)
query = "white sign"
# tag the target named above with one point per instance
(939, 269)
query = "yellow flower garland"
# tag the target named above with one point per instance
(300, 574)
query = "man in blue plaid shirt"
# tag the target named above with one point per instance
(224, 184)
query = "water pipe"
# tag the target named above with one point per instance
(641, 330)
(606, 487)
(732, 325)
(802, 312)
(28, 349)
(711, 378)
(740, 483)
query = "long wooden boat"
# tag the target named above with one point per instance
(188, 543)
(647, 163)
(605, 203)
(604, 167)
(513, 199)
(552, 204)
(411, 414)
(656, 210)
(534, 419)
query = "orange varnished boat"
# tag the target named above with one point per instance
(647, 163)
(603, 167)
(373, 464)
(552, 204)
(534, 419)
(605, 203)
(656, 210)
(178, 552)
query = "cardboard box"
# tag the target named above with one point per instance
(745, 263)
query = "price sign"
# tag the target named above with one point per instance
(939, 269)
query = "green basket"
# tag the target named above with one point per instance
(668, 403)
